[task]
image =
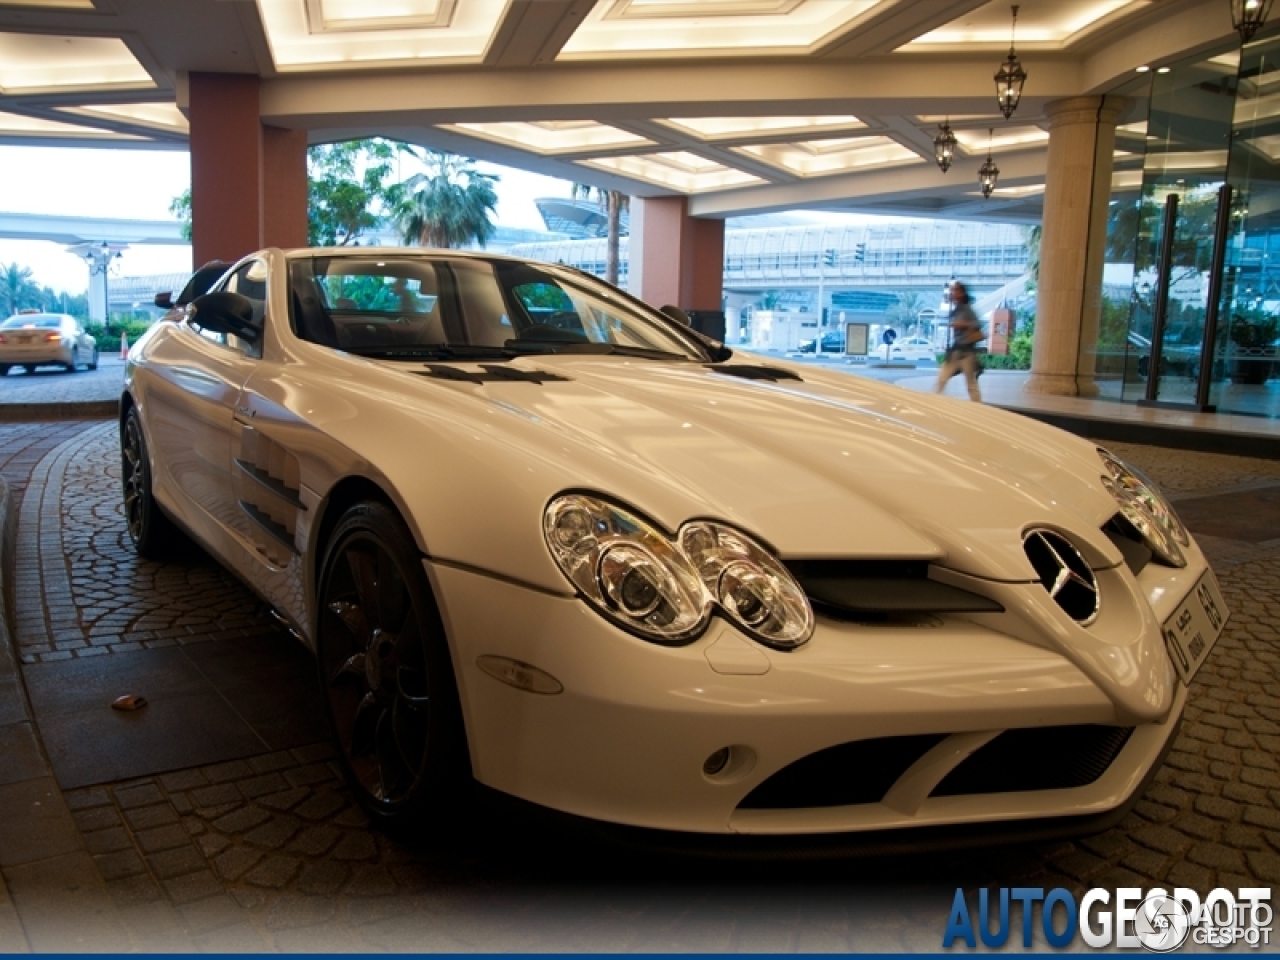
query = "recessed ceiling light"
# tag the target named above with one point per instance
(1162, 70)
(1144, 69)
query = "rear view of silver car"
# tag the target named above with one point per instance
(32, 340)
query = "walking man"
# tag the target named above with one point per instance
(966, 334)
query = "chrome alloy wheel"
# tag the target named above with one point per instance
(384, 667)
(137, 483)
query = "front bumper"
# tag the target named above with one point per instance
(627, 739)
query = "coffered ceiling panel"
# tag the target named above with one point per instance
(824, 157)
(345, 34)
(35, 63)
(1042, 24)
(713, 129)
(671, 28)
(680, 171)
(551, 136)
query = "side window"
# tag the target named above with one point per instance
(250, 281)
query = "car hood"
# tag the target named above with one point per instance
(825, 465)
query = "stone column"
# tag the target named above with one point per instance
(675, 259)
(248, 182)
(1073, 241)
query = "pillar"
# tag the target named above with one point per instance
(248, 181)
(675, 259)
(1072, 244)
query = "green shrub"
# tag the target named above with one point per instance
(108, 334)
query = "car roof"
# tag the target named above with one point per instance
(300, 253)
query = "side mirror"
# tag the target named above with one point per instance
(676, 314)
(225, 312)
(164, 300)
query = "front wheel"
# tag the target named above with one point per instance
(153, 534)
(385, 671)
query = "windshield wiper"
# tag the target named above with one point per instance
(437, 351)
(599, 349)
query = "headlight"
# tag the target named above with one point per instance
(1148, 511)
(634, 575)
(626, 569)
(750, 585)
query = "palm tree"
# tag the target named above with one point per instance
(448, 206)
(614, 202)
(16, 289)
(906, 312)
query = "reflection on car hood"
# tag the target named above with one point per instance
(830, 465)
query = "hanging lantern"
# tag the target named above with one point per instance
(1248, 16)
(944, 146)
(988, 173)
(1010, 77)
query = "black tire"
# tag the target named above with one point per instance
(75, 360)
(4, 369)
(153, 534)
(385, 672)
(93, 364)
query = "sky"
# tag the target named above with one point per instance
(140, 185)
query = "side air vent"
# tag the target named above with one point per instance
(749, 371)
(1037, 758)
(488, 373)
(1064, 573)
(863, 590)
(857, 772)
(1129, 542)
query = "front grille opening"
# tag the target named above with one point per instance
(1129, 542)
(849, 773)
(1064, 573)
(1037, 758)
(879, 591)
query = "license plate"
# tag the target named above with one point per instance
(24, 339)
(1195, 626)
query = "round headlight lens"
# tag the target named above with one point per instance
(750, 585)
(626, 568)
(1144, 507)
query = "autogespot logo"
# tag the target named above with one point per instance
(1155, 920)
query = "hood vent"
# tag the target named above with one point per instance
(863, 590)
(750, 371)
(489, 373)
(1064, 573)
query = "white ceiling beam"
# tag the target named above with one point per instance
(888, 86)
(1178, 34)
(533, 31)
(889, 28)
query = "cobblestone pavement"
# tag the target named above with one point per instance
(52, 385)
(269, 852)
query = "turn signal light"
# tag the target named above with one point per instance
(52, 337)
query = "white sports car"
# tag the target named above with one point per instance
(544, 536)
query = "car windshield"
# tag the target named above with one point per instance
(32, 320)
(462, 307)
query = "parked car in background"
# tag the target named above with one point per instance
(908, 350)
(543, 536)
(832, 342)
(31, 340)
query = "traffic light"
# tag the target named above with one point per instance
(829, 258)
(859, 252)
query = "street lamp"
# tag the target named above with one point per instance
(988, 173)
(1010, 77)
(944, 146)
(1248, 16)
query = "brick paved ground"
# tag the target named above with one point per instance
(51, 385)
(268, 852)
